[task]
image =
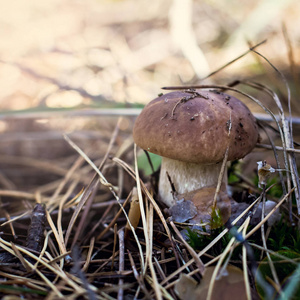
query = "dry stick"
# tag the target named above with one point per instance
(273, 271)
(234, 60)
(159, 269)
(34, 284)
(121, 262)
(26, 214)
(49, 187)
(283, 258)
(10, 223)
(221, 174)
(265, 146)
(291, 56)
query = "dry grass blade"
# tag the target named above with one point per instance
(205, 249)
(17, 194)
(221, 175)
(83, 198)
(245, 266)
(138, 277)
(273, 270)
(88, 195)
(20, 257)
(4, 245)
(264, 146)
(148, 230)
(157, 287)
(288, 131)
(269, 214)
(61, 244)
(15, 218)
(62, 184)
(221, 259)
(234, 60)
(113, 221)
(89, 255)
(110, 187)
(142, 211)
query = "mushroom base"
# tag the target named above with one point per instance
(186, 177)
(214, 214)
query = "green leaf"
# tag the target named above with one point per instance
(144, 165)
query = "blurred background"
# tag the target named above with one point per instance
(75, 66)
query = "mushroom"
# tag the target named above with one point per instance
(192, 130)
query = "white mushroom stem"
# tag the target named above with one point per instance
(186, 177)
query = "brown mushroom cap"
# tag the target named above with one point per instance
(194, 127)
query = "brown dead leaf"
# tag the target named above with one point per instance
(229, 286)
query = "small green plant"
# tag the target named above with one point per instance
(197, 240)
(216, 220)
(284, 269)
(284, 237)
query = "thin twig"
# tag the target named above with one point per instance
(121, 262)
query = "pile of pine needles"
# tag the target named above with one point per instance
(76, 236)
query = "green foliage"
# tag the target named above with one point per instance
(276, 190)
(15, 289)
(283, 268)
(216, 219)
(233, 169)
(144, 165)
(198, 241)
(283, 236)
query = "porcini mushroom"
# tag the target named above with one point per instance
(191, 130)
